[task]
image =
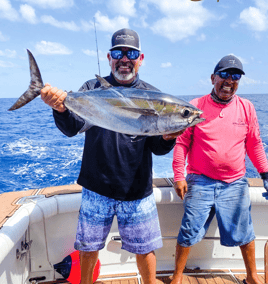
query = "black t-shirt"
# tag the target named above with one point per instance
(115, 165)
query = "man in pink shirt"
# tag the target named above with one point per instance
(215, 182)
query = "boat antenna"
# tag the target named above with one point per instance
(97, 46)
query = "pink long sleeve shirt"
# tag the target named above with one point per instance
(218, 146)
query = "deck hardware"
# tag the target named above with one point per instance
(37, 279)
(25, 247)
(116, 238)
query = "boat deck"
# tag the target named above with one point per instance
(189, 277)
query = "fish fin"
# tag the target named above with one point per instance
(103, 82)
(85, 127)
(35, 87)
(143, 111)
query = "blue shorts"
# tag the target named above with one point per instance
(230, 202)
(138, 223)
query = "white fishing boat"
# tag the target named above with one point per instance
(37, 230)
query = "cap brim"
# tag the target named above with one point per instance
(123, 45)
(226, 68)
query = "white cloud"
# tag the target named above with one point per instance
(62, 25)
(3, 37)
(127, 7)
(256, 18)
(53, 4)
(7, 12)
(201, 37)
(262, 5)
(51, 48)
(248, 81)
(93, 53)
(28, 13)
(8, 53)
(142, 22)
(205, 82)
(5, 64)
(104, 23)
(89, 52)
(166, 65)
(182, 18)
(87, 26)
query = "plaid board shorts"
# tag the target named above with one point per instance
(138, 223)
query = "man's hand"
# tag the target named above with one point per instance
(265, 184)
(181, 188)
(172, 135)
(54, 97)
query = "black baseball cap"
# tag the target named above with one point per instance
(229, 62)
(125, 38)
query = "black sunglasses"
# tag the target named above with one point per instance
(132, 54)
(225, 75)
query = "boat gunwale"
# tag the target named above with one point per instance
(10, 200)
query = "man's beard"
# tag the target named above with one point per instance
(124, 77)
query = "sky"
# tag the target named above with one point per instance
(182, 41)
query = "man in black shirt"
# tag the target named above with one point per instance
(116, 170)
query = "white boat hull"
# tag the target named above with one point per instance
(50, 223)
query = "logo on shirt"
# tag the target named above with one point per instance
(240, 123)
(136, 138)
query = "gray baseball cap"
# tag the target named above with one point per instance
(125, 38)
(229, 62)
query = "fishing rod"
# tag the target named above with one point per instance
(97, 47)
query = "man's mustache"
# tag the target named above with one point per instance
(128, 64)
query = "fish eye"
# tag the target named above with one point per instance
(185, 112)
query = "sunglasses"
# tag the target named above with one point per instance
(131, 54)
(225, 75)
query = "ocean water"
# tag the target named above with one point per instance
(35, 154)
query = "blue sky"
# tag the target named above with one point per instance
(182, 41)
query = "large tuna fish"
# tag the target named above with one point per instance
(126, 110)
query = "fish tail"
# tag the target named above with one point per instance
(35, 86)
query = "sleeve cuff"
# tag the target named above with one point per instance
(61, 114)
(168, 143)
(264, 175)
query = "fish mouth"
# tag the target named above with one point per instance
(196, 121)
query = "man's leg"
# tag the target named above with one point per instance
(248, 253)
(180, 262)
(139, 229)
(94, 223)
(147, 267)
(88, 260)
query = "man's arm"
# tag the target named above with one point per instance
(255, 149)
(254, 145)
(179, 157)
(67, 122)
